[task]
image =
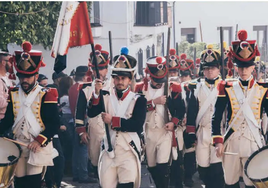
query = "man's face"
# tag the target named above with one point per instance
(185, 78)
(103, 73)
(121, 82)
(245, 72)
(173, 73)
(4, 63)
(156, 85)
(43, 83)
(28, 82)
(211, 72)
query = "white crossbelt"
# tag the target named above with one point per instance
(211, 96)
(247, 112)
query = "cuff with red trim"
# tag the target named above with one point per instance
(150, 106)
(116, 122)
(190, 129)
(41, 139)
(95, 101)
(217, 139)
(176, 121)
(81, 129)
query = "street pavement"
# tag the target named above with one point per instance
(147, 182)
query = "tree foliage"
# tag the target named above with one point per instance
(32, 21)
(188, 49)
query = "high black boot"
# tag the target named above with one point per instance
(20, 182)
(189, 168)
(216, 176)
(236, 185)
(95, 170)
(204, 175)
(163, 171)
(125, 185)
(176, 172)
(34, 181)
(154, 174)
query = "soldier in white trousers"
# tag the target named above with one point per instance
(124, 113)
(244, 99)
(200, 109)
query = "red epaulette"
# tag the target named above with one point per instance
(83, 85)
(80, 86)
(51, 96)
(175, 87)
(229, 84)
(221, 87)
(186, 88)
(12, 88)
(139, 87)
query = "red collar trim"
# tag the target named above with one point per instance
(251, 83)
(125, 93)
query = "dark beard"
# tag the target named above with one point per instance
(31, 86)
(157, 86)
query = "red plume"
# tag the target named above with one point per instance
(242, 35)
(230, 72)
(146, 79)
(183, 56)
(230, 64)
(158, 60)
(257, 51)
(197, 61)
(172, 51)
(42, 63)
(26, 46)
(98, 47)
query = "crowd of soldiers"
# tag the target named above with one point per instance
(182, 117)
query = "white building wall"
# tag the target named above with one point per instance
(216, 14)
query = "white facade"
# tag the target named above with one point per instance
(215, 14)
(119, 18)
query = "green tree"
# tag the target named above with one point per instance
(188, 49)
(32, 21)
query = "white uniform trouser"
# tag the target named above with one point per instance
(23, 168)
(205, 151)
(96, 134)
(121, 169)
(234, 164)
(158, 146)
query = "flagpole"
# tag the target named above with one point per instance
(110, 148)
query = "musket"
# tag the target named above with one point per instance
(166, 94)
(111, 48)
(195, 71)
(222, 54)
(236, 31)
(110, 148)
(167, 77)
(201, 35)
(265, 56)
